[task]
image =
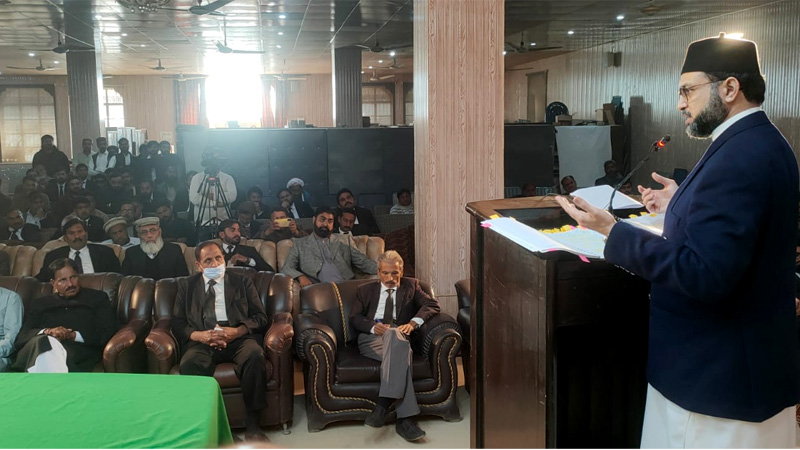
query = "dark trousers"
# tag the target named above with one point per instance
(248, 356)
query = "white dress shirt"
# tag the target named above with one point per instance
(86, 259)
(339, 230)
(728, 123)
(219, 297)
(104, 162)
(229, 248)
(382, 305)
(17, 233)
(30, 218)
(210, 211)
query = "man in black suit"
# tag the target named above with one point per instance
(94, 224)
(18, 230)
(147, 196)
(90, 258)
(237, 254)
(66, 331)
(57, 187)
(174, 229)
(365, 221)
(153, 258)
(298, 209)
(385, 314)
(218, 317)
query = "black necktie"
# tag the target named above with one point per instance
(388, 311)
(209, 311)
(78, 261)
(60, 190)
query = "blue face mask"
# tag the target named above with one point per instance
(214, 273)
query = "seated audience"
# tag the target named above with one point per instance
(124, 156)
(117, 229)
(297, 210)
(385, 315)
(93, 206)
(127, 211)
(147, 196)
(296, 188)
(626, 188)
(153, 258)
(281, 227)
(365, 221)
(612, 177)
(26, 187)
(41, 175)
(403, 205)
(321, 258)
(250, 228)
(102, 160)
(254, 195)
(568, 185)
(94, 224)
(345, 218)
(10, 323)
(174, 229)
(173, 189)
(49, 157)
(82, 172)
(38, 213)
(112, 198)
(237, 254)
(90, 258)
(528, 190)
(85, 156)
(66, 204)
(218, 317)
(67, 330)
(57, 187)
(126, 175)
(18, 230)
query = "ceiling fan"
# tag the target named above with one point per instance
(378, 48)
(375, 76)
(39, 68)
(522, 48)
(181, 77)
(160, 68)
(223, 46)
(200, 10)
(392, 66)
(62, 47)
(651, 8)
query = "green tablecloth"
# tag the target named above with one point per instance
(110, 410)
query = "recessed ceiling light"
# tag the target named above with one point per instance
(142, 45)
(362, 71)
(98, 17)
(56, 62)
(380, 61)
(570, 32)
(31, 54)
(620, 17)
(271, 4)
(370, 67)
(533, 44)
(279, 46)
(504, 52)
(280, 33)
(124, 34)
(392, 53)
(281, 16)
(269, 11)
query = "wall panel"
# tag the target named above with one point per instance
(648, 80)
(311, 99)
(149, 103)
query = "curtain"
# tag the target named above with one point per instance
(191, 102)
(272, 86)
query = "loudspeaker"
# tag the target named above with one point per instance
(614, 59)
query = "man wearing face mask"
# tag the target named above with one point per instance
(65, 331)
(320, 257)
(218, 317)
(153, 258)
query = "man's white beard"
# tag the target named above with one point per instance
(152, 248)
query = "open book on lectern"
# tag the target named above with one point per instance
(576, 240)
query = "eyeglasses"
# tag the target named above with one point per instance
(687, 90)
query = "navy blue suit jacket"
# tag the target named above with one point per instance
(723, 339)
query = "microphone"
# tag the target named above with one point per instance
(655, 147)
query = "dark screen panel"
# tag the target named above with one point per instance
(298, 153)
(529, 154)
(355, 160)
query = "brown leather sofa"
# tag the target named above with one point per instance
(163, 351)
(341, 384)
(132, 300)
(20, 257)
(464, 302)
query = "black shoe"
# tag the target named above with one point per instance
(377, 417)
(409, 430)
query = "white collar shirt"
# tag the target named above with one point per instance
(219, 297)
(86, 259)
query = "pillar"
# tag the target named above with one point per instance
(346, 79)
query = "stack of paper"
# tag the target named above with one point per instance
(579, 241)
(599, 196)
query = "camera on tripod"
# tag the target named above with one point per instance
(214, 199)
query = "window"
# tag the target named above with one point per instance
(234, 100)
(26, 114)
(376, 103)
(115, 112)
(408, 97)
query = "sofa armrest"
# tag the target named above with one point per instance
(433, 330)
(162, 349)
(310, 329)
(280, 334)
(120, 354)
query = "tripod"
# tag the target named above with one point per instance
(208, 188)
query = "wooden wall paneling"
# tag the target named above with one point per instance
(311, 99)
(458, 132)
(648, 80)
(149, 103)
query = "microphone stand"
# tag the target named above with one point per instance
(657, 145)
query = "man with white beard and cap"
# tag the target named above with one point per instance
(153, 258)
(117, 229)
(295, 186)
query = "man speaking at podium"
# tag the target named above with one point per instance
(723, 356)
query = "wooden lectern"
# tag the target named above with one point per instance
(559, 345)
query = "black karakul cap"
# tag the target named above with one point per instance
(721, 54)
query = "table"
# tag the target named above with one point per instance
(110, 410)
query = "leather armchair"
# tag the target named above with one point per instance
(464, 302)
(341, 384)
(132, 301)
(20, 258)
(164, 353)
